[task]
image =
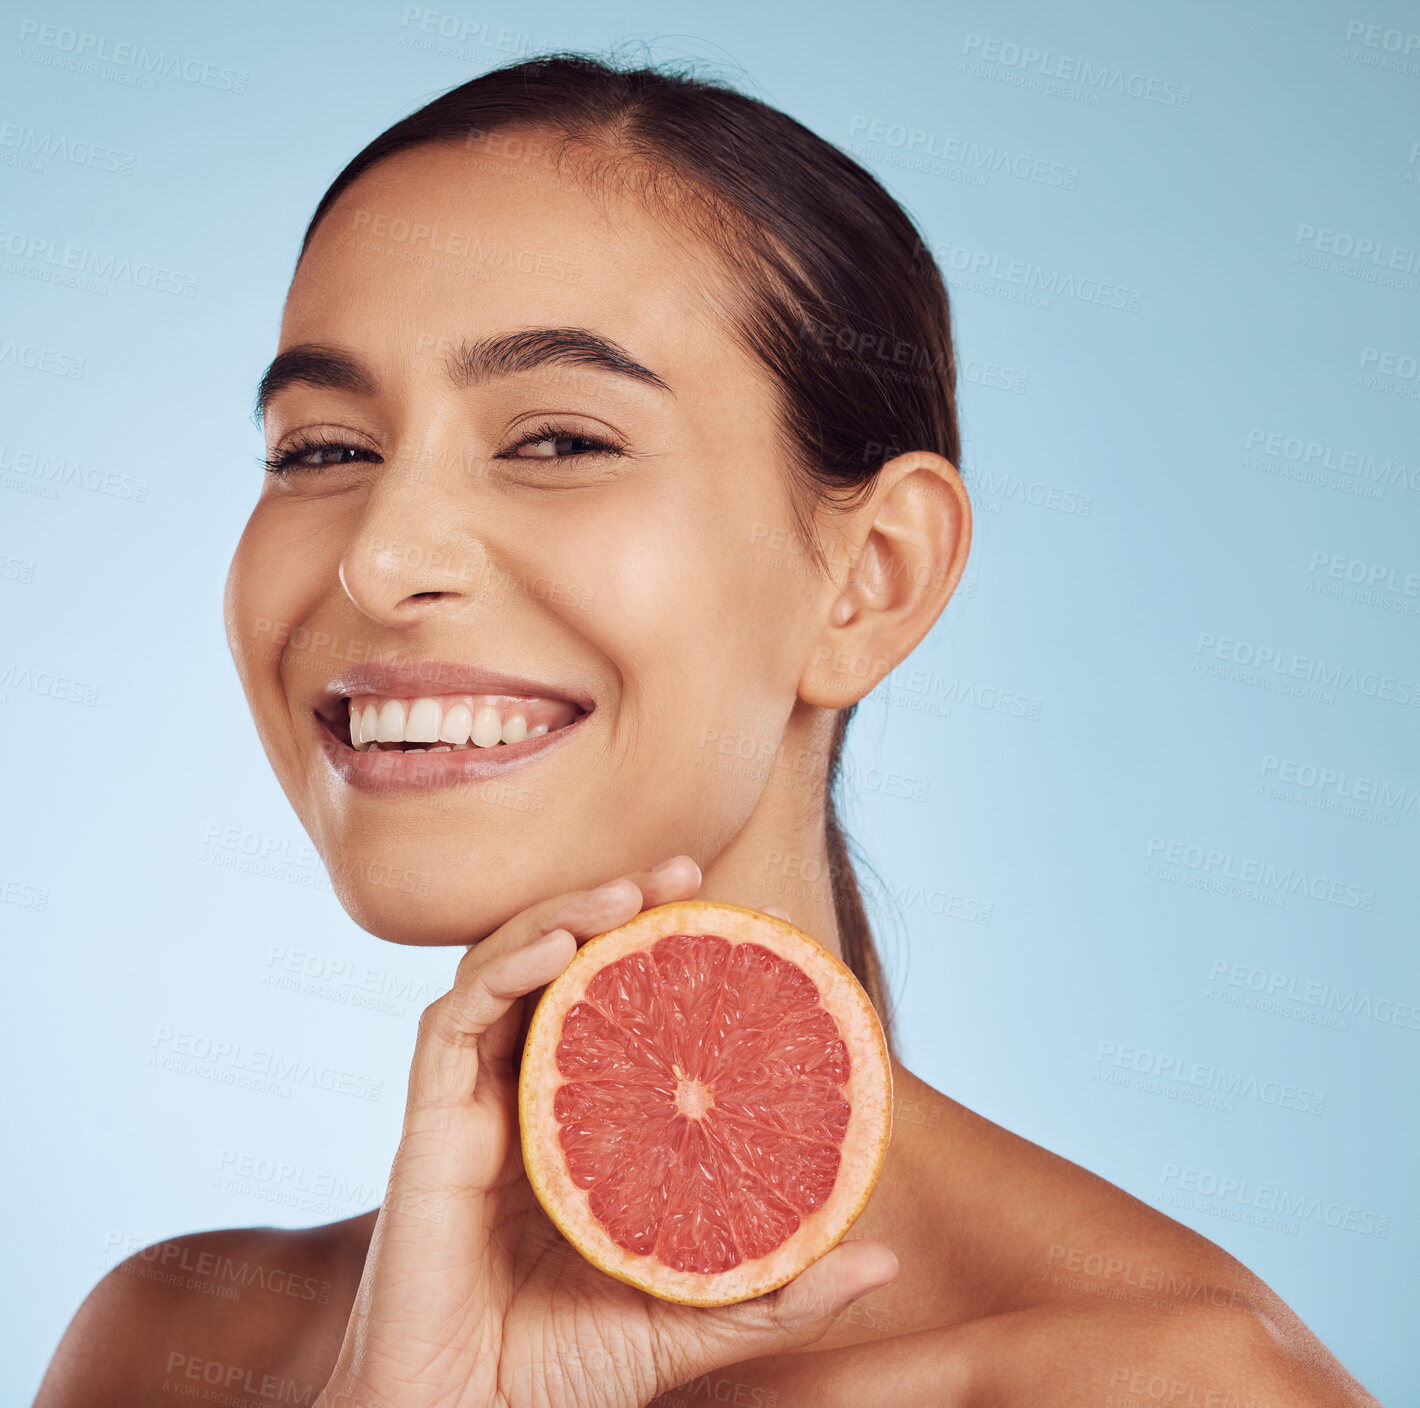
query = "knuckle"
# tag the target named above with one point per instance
(435, 1015)
(780, 1312)
(454, 1018)
(805, 1311)
(471, 1008)
(429, 1019)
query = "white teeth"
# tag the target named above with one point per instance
(426, 721)
(457, 725)
(423, 725)
(369, 724)
(487, 727)
(392, 721)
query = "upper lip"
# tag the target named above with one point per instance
(415, 679)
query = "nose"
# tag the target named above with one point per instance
(412, 552)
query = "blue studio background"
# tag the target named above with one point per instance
(1144, 805)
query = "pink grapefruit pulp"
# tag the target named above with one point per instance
(705, 1101)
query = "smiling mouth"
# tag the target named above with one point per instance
(446, 723)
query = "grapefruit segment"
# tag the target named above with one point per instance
(597, 1047)
(705, 1101)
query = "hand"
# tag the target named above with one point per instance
(470, 1297)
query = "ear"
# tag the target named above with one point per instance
(906, 547)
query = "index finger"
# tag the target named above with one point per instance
(583, 914)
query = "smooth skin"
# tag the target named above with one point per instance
(668, 583)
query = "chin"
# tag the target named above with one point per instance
(404, 905)
(429, 879)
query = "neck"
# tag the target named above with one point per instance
(779, 857)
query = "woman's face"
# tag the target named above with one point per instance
(462, 554)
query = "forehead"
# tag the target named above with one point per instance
(447, 243)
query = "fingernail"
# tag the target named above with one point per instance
(664, 864)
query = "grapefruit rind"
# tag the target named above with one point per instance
(868, 1091)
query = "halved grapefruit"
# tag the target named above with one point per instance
(705, 1101)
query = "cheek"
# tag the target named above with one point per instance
(702, 640)
(666, 595)
(278, 574)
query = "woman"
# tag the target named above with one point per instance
(613, 420)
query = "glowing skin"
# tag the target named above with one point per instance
(648, 582)
(664, 590)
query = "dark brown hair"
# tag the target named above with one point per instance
(836, 293)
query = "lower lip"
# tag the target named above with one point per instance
(422, 772)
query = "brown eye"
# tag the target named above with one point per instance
(556, 448)
(316, 455)
(551, 442)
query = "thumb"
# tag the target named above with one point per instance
(796, 1315)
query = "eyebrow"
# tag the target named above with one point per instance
(467, 364)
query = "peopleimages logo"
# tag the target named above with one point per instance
(1287, 663)
(35, 148)
(1390, 373)
(1100, 78)
(1172, 1073)
(1361, 573)
(229, 1062)
(1359, 247)
(1326, 997)
(1341, 785)
(81, 50)
(1404, 365)
(100, 48)
(989, 159)
(46, 684)
(44, 258)
(984, 271)
(1051, 496)
(1303, 1207)
(1321, 455)
(1390, 41)
(1209, 861)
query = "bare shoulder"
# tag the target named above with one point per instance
(1098, 1295)
(254, 1311)
(1066, 1355)
(1027, 1279)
